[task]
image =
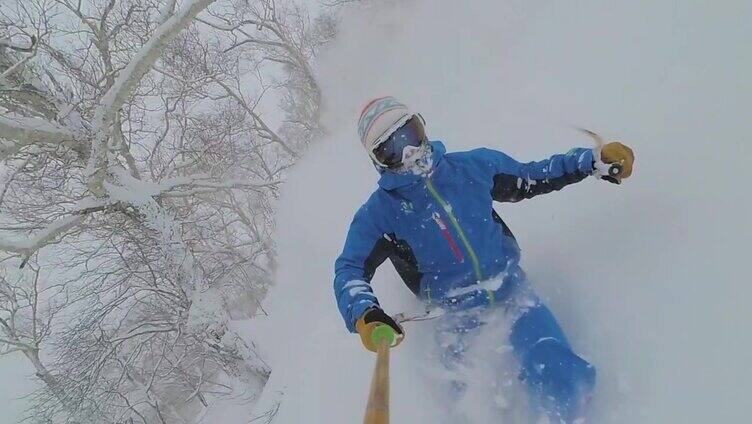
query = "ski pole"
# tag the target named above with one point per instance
(611, 169)
(427, 315)
(377, 411)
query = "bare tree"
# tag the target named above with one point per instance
(140, 163)
(26, 315)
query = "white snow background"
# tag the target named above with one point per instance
(650, 279)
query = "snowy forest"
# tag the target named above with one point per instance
(143, 146)
(177, 178)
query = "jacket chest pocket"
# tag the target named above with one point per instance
(448, 237)
(431, 235)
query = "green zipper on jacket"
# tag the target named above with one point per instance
(456, 224)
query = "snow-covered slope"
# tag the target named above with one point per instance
(650, 279)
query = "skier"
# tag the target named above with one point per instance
(432, 216)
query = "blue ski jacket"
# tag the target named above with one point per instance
(441, 233)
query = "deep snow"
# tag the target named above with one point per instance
(649, 278)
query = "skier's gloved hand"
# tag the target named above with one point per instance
(370, 334)
(611, 154)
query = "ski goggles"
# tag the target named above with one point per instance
(390, 152)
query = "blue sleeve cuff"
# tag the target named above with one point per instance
(585, 161)
(357, 311)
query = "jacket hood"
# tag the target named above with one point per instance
(391, 180)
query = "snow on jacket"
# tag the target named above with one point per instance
(441, 233)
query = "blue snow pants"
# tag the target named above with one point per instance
(559, 382)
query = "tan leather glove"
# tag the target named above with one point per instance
(617, 153)
(370, 333)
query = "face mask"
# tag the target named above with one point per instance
(417, 160)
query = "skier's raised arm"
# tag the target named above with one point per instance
(514, 181)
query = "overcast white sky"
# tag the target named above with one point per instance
(14, 383)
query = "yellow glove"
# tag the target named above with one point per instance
(615, 153)
(374, 325)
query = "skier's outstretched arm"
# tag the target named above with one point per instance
(514, 181)
(365, 249)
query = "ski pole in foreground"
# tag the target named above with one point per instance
(613, 170)
(377, 411)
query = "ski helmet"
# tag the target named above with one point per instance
(386, 127)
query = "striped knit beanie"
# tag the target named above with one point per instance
(379, 119)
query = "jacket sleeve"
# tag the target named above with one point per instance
(365, 249)
(514, 181)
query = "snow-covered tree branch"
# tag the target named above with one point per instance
(32, 130)
(42, 238)
(128, 79)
